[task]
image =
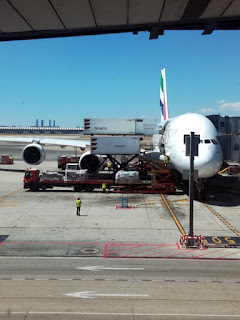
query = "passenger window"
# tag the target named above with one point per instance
(207, 141)
(201, 141)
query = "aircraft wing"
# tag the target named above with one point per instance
(48, 141)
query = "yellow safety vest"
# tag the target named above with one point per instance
(78, 203)
(104, 186)
(166, 160)
(109, 165)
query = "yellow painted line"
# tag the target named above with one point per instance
(6, 206)
(10, 194)
(14, 201)
(222, 219)
(174, 217)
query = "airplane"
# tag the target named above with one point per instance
(168, 143)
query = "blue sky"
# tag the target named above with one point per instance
(118, 76)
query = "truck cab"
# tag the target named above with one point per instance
(31, 179)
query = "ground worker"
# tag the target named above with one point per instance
(104, 186)
(165, 161)
(78, 205)
(109, 165)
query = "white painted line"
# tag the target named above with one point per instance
(92, 294)
(65, 279)
(101, 268)
(127, 314)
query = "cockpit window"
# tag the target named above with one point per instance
(207, 141)
(214, 141)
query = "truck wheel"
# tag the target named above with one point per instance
(89, 188)
(34, 187)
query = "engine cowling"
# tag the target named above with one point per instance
(33, 154)
(92, 162)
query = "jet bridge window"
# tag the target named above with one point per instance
(207, 141)
(163, 128)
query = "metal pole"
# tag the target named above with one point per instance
(191, 189)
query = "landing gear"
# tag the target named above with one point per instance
(200, 192)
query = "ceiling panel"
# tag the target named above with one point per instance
(110, 12)
(143, 11)
(233, 9)
(10, 20)
(74, 13)
(173, 10)
(38, 13)
(215, 8)
(33, 19)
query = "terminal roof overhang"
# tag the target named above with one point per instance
(34, 19)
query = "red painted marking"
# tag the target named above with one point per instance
(208, 253)
(140, 244)
(36, 242)
(152, 248)
(226, 255)
(126, 255)
(182, 252)
(105, 251)
(130, 246)
(126, 249)
(104, 243)
(153, 254)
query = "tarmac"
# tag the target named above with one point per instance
(45, 223)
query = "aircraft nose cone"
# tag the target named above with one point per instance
(208, 164)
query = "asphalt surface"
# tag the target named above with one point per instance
(96, 288)
(136, 268)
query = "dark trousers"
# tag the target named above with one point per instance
(78, 211)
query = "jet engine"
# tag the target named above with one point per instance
(33, 154)
(92, 162)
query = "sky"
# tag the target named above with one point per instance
(118, 76)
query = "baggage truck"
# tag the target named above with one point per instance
(6, 159)
(34, 180)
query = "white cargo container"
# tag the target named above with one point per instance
(115, 145)
(119, 126)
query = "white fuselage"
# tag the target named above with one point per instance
(170, 142)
